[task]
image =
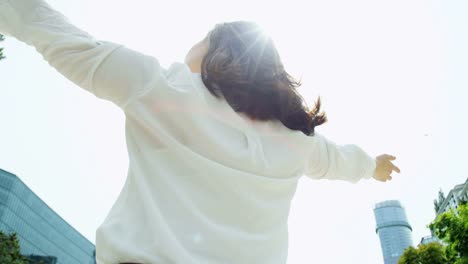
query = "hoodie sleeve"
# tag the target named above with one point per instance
(327, 160)
(108, 70)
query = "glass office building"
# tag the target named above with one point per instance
(393, 229)
(40, 230)
(456, 195)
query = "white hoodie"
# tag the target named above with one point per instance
(205, 184)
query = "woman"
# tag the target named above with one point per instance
(216, 144)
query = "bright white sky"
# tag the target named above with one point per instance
(392, 76)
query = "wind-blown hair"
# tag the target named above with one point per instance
(243, 66)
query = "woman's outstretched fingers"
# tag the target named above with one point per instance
(384, 167)
(389, 157)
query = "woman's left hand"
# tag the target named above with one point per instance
(384, 168)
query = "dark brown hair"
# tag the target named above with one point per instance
(243, 65)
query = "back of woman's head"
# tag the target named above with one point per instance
(243, 65)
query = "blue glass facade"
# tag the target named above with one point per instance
(393, 229)
(39, 229)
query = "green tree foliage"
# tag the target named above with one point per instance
(452, 228)
(10, 250)
(1, 49)
(410, 256)
(432, 253)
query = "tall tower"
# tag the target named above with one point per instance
(393, 229)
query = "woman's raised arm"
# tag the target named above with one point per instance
(328, 160)
(108, 70)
